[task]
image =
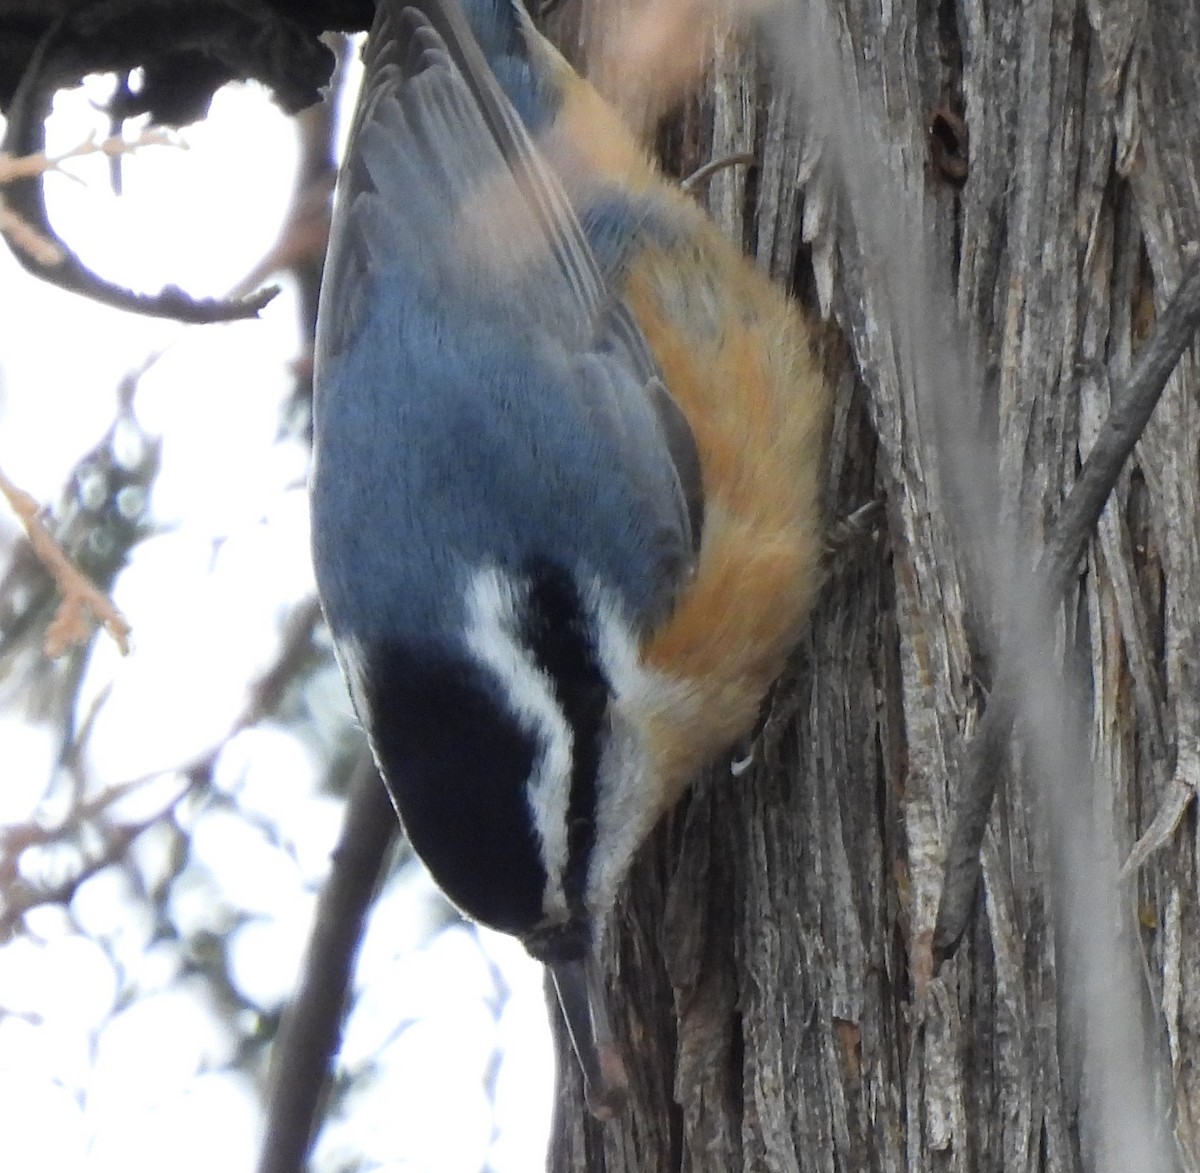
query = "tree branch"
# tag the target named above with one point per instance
(311, 1030)
(1126, 421)
(81, 600)
(249, 40)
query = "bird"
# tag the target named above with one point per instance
(568, 445)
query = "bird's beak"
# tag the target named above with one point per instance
(581, 997)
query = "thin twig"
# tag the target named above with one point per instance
(20, 894)
(35, 246)
(82, 600)
(311, 1030)
(1127, 419)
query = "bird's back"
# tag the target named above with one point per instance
(472, 363)
(737, 356)
(733, 351)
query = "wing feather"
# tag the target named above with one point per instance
(443, 180)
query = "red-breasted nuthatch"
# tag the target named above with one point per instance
(565, 484)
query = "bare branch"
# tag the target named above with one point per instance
(27, 240)
(21, 894)
(311, 1030)
(1126, 421)
(25, 222)
(81, 599)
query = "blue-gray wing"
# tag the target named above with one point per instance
(443, 182)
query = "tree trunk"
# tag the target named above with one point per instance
(766, 964)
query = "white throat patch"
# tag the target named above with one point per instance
(628, 789)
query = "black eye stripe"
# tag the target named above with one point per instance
(457, 765)
(557, 634)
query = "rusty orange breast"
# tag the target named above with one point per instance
(736, 354)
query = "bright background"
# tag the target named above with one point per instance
(133, 1019)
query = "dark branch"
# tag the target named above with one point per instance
(311, 1030)
(1131, 410)
(221, 42)
(186, 49)
(1121, 431)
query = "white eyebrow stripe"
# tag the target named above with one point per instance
(492, 636)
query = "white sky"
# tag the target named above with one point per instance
(85, 1085)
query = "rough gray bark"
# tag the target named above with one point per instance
(768, 964)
